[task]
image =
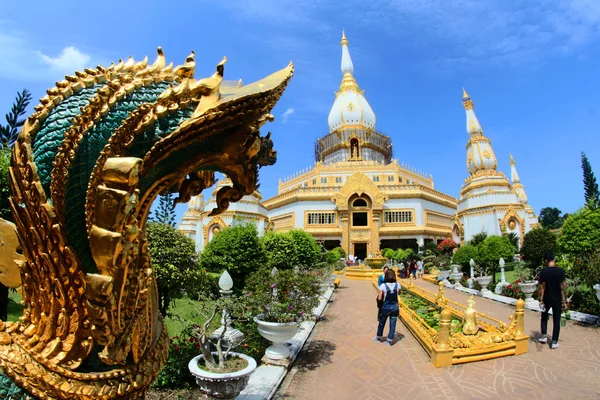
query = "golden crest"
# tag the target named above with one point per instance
(351, 107)
(487, 154)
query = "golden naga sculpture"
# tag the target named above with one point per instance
(85, 170)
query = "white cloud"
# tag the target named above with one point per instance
(22, 59)
(288, 113)
(68, 61)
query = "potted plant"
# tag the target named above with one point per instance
(485, 277)
(219, 372)
(280, 301)
(525, 281)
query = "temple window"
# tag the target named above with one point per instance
(338, 179)
(400, 179)
(390, 178)
(394, 217)
(321, 218)
(376, 179)
(360, 219)
(323, 180)
(359, 203)
(314, 182)
(354, 148)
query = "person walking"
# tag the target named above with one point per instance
(388, 293)
(420, 269)
(553, 296)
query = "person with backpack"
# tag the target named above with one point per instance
(388, 293)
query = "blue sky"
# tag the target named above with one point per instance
(531, 68)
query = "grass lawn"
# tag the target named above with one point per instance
(510, 276)
(15, 309)
(185, 308)
(188, 310)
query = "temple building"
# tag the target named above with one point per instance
(488, 201)
(356, 195)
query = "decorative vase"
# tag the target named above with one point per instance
(597, 289)
(278, 333)
(222, 385)
(484, 281)
(528, 288)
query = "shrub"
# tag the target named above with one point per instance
(446, 246)
(389, 253)
(175, 373)
(237, 249)
(536, 244)
(289, 295)
(492, 249)
(341, 251)
(478, 238)
(289, 249)
(464, 254)
(580, 233)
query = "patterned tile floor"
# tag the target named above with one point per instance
(341, 361)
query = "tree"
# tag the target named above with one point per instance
(389, 253)
(10, 131)
(592, 194)
(478, 238)
(551, 218)
(166, 210)
(513, 238)
(536, 243)
(237, 249)
(580, 234)
(465, 253)
(175, 264)
(492, 249)
(290, 249)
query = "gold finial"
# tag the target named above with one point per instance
(512, 159)
(467, 102)
(465, 94)
(344, 40)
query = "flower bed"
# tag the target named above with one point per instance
(513, 290)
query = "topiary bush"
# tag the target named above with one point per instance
(536, 243)
(237, 249)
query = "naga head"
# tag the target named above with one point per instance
(85, 170)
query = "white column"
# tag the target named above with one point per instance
(199, 236)
(421, 240)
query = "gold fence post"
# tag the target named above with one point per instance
(441, 356)
(521, 339)
(440, 299)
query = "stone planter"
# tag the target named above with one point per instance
(484, 281)
(597, 289)
(278, 333)
(528, 288)
(222, 385)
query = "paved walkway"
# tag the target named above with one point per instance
(342, 361)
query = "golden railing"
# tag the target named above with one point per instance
(446, 347)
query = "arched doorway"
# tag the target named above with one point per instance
(360, 224)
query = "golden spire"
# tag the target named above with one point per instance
(467, 102)
(344, 40)
(512, 160)
(465, 94)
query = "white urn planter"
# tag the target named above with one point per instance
(278, 333)
(484, 281)
(528, 288)
(222, 385)
(597, 289)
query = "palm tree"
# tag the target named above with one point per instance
(10, 131)
(514, 239)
